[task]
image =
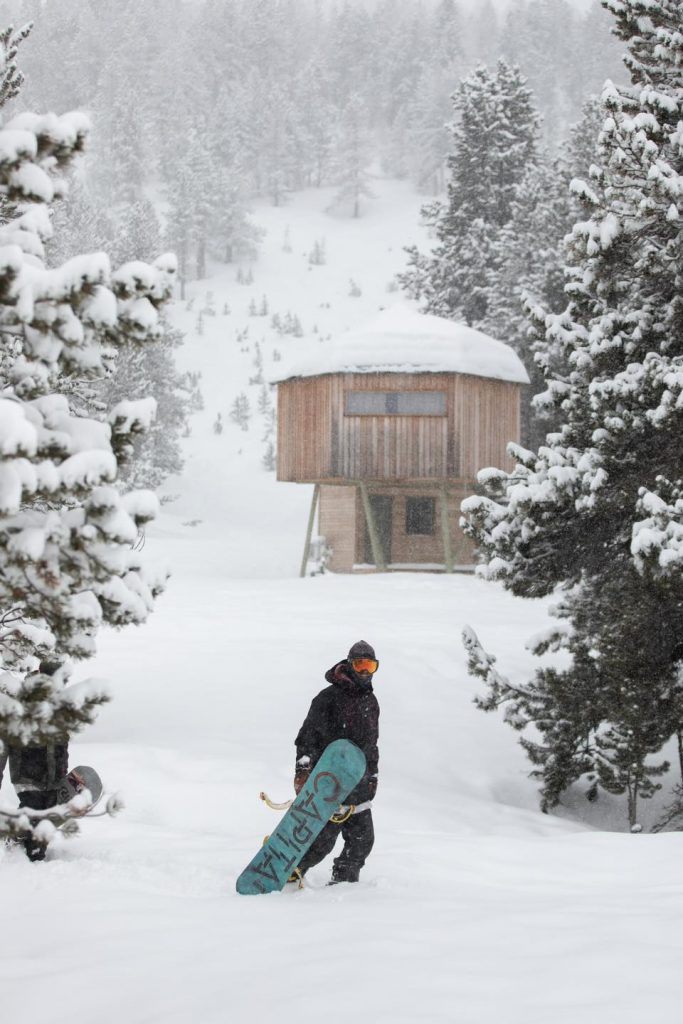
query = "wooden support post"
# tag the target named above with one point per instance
(375, 542)
(462, 550)
(309, 530)
(446, 530)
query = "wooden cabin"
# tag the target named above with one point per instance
(391, 424)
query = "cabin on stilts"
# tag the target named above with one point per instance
(391, 424)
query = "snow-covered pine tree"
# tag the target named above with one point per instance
(316, 121)
(528, 268)
(79, 224)
(150, 371)
(232, 234)
(428, 106)
(269, 458)
(264, 403)
(138, 232)
(597, 511)
(317, 257)
(191, 193)
(426, 130)
(67, 558)
(352, 154)
(118, 167)
(540, 37)
(281, 156)
(494, 140)
(141, 371)
(12, 78)
(482, 32)
(240, 411)
(403, 39)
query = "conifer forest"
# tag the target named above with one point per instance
(210, 212)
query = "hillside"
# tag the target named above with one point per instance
(474, 907)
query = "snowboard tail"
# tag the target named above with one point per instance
(341, 767)
(59, 815)
(78, 779)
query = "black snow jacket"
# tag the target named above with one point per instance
(345, 710)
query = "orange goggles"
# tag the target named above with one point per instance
(365, 665)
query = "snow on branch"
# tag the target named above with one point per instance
(500, 690)
(68, 562)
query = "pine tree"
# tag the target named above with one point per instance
(191, 196)
(269, 460)
(240, 411)
(482, 32)
(317, 257)
(155, 453)
(12, 78)
(232, 235)
(270, 419)
(598, 510)
(527, 270)
(138, 234)
(79, 225)
(141, 372)
(117, 169)
(494, 143)
(540, 37)
(316, 121)
(68, 562)
(404, 42)
(264, 402)
(426, 129)
(351, 157)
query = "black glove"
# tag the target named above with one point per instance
(300, 779)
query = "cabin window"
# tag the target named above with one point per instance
(420, 516)
(395, 403)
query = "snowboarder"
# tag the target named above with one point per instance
(347, 709)
(35, 772)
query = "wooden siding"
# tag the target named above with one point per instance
(337, 524)
(414, 549)
(317, 442)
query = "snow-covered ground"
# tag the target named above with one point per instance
(474, 908)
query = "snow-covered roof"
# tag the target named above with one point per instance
(400, 339)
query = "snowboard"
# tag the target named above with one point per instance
(75, 781)
(340, 768)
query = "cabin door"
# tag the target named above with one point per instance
(382, 513)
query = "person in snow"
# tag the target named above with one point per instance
(346, 709)
(35, 772)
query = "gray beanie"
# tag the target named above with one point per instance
(361, 649)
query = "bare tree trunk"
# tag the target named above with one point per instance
(633, 802)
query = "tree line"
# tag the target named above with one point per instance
(205, 106)
(576, 259)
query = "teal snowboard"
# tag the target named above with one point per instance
(340, 768)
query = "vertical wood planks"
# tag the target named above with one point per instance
(316, 441)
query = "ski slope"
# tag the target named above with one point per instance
(474, 908)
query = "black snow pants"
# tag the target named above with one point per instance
(35, 773)
(359, 836)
